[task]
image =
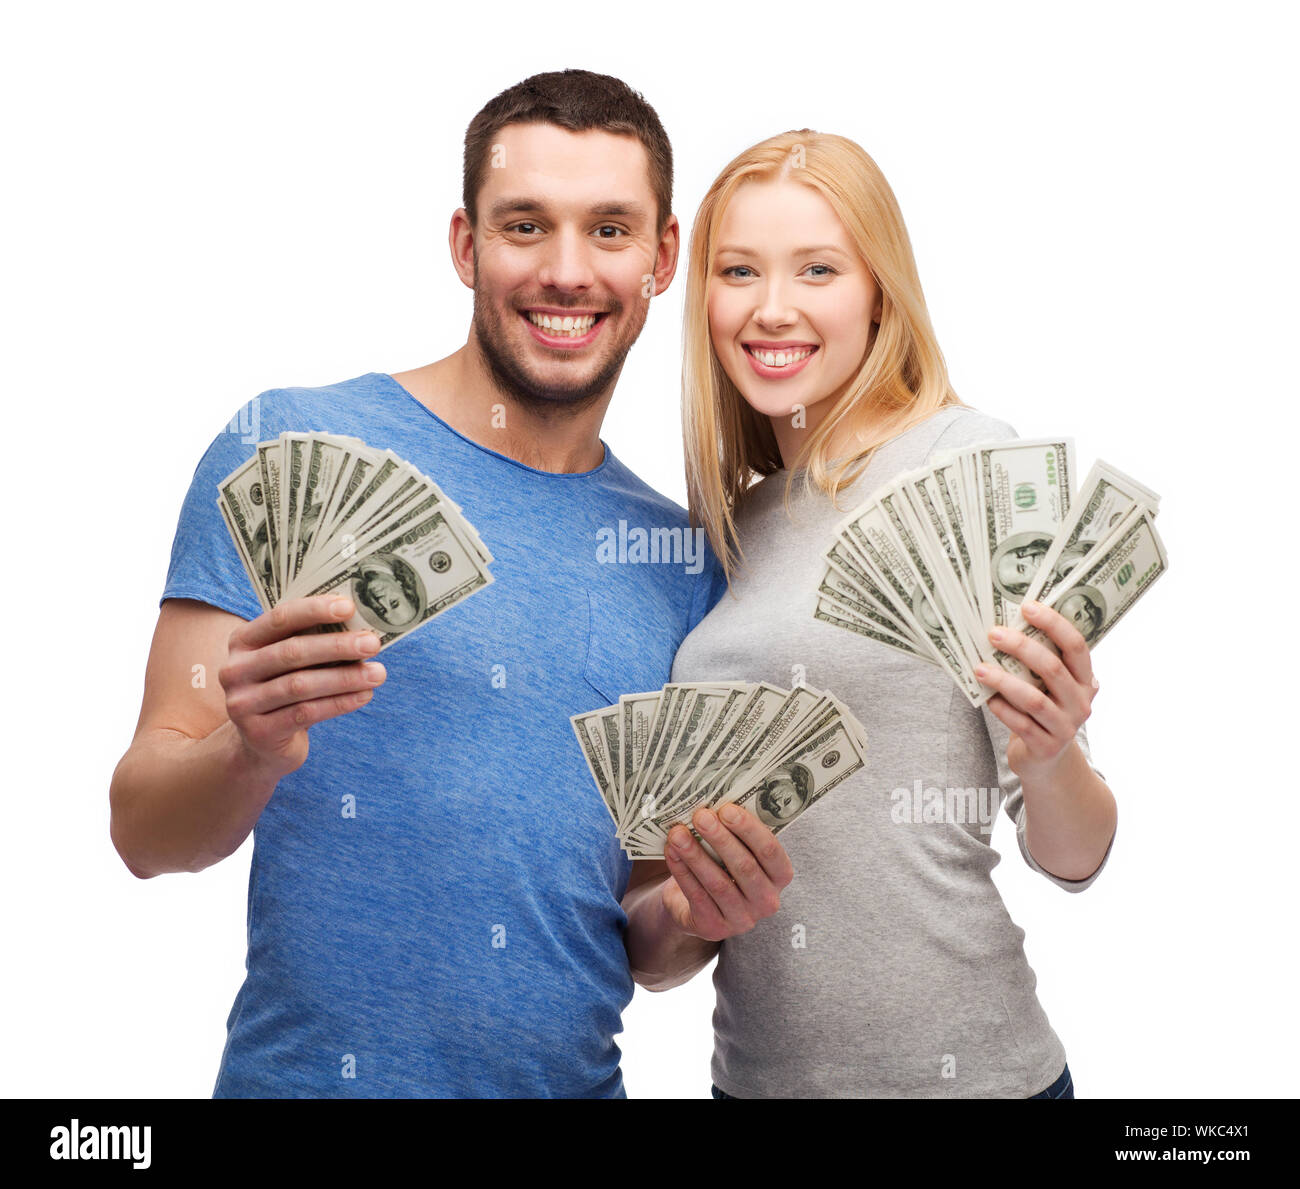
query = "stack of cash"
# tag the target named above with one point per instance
(658, 756)
(944, 553)
(313, 513)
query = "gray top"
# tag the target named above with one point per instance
(892, 968)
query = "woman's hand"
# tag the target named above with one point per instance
(701, 897)
(1043, 724)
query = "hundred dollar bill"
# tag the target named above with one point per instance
(1025, 494)
(799, 779)
(881, 556)
(839, 615)
(312, 512)
(848, 580)
(694, 744)
(592, 741)
(933, 560)
(637, 714)
(1104, 499)
(716, 729)
(241, 498)
(407, 580)
(1099, 592)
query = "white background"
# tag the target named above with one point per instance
(206, 201)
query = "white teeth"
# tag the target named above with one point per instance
(569, 326)
(781, 358)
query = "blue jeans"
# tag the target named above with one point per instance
(1063, 1087)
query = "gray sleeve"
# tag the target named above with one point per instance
(999, 736)
(970, 427)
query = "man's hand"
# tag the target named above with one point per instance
(273, 692)
(711, 903)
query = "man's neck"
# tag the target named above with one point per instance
(459, 390)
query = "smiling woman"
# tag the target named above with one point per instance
(816, 316)
(892, 968)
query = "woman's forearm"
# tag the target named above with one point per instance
(1070, 815)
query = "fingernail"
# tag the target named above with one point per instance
(341, 607)
(706, 819)
(981, 671)
(680, 840)
(730, 814)
(375, 672)
(1031, 608)
(368, 643)
(997, 635)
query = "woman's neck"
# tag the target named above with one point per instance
(846, 441)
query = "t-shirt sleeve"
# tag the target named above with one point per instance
(999, 736)
(970, 427)
(710, 586)
(205, 564)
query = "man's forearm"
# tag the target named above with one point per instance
(660, 954)
(182, 804)
(1070, 816)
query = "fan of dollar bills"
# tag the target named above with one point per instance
(312, 513)
(944, 553)
(658, 756)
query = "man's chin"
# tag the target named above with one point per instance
(565, 384)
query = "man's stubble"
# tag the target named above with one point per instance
(510, 374)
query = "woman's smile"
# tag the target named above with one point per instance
(778, 360)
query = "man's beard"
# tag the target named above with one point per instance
(510, 374)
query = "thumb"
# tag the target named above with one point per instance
(675, 904)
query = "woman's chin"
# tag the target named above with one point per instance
(780, 403)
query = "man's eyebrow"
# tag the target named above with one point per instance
(523, 204)
(514, 206)
(633, 210)
(814, 250)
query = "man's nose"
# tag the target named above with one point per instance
(566, 261)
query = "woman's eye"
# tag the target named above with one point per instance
(827, 271)
(735, 270)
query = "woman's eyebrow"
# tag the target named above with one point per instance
(814, 250)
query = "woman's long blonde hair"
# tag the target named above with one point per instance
(902, 380)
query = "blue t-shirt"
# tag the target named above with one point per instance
(433, 905)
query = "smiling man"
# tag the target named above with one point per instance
(436, 901)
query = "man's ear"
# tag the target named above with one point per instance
(460, 239)
(666, 255)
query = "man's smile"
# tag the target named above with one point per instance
(565, 329)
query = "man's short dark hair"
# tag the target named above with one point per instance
(579, 101)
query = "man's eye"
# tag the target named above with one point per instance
(526, 228)
(609, 227)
